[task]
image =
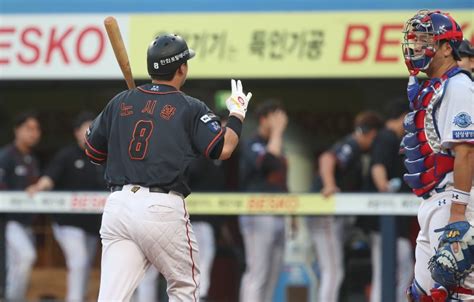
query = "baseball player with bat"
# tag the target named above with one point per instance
(146, 138)
(439, 150)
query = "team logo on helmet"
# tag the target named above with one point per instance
(462, 120)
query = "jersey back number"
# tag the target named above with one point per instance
(138, 146)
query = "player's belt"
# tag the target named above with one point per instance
(152, 189)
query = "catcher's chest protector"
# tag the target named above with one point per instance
(426, 162)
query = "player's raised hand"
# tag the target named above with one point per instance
(237, 102)
(278, 121)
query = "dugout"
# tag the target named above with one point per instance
(320, 112)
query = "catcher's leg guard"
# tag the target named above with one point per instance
(416, 294)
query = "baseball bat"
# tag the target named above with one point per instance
(113, 31)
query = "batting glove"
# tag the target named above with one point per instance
(238, 101)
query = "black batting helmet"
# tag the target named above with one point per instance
(166, 53)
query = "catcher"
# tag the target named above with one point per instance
(439, 150)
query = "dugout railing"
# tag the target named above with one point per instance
(386, 205)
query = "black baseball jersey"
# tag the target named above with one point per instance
(348, 172)
(206, 175)
(71, 170)
(386, 151)
(149, 135)
(17, 172)
(261, 171)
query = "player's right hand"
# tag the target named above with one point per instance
(329, 190)
(237, 102)
(32, 190)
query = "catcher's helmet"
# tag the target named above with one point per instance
(423, 32)
(166, 53)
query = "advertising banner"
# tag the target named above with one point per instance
(225, 203)
(285, 45)
(334, 44)
(57, 47)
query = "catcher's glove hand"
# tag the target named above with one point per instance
(238, 101)
(454, 259)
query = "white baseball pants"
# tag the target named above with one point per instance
(434, 214)
(207, 250)
(79, 248)
(405, 265)
(264, 239)
(327, 233)
(142, 229)
(147, 289)
(21, 255)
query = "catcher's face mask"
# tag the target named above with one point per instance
(422, 36)
(419, 45)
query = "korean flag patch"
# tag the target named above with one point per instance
(214, 126)
(462, 120)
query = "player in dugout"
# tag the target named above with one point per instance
(263, 168)
(340, 170)
(19, 168)
(77, 234)
(385, 175)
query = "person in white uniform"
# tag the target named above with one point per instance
(439, 146)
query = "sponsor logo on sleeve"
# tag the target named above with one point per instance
(462, 120)
(463, 134)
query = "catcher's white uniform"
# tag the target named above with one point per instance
(454, 121)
